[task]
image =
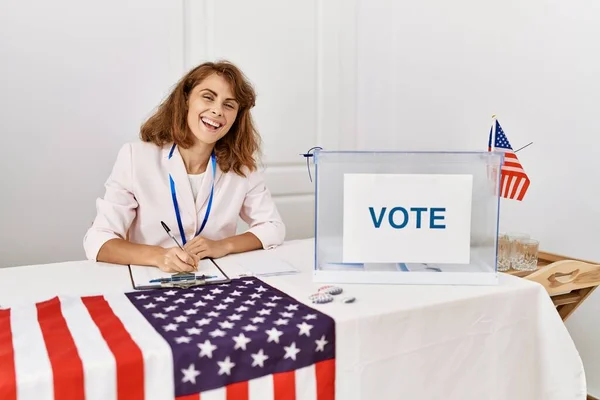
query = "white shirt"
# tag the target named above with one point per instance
(196, 183)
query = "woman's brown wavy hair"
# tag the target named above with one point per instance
(238, 147)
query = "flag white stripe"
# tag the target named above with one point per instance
(261, 388)
(32, 365)
(306, 384)
(158, 358)
(215, 394)
(98, 361)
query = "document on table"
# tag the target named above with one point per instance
(267, 266)
(143, 275)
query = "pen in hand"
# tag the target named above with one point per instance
(168, 230)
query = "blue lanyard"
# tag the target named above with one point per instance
(213, 160)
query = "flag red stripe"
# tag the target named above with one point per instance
(237, 391)
(8, 377)
(67, 368)
(128, 356)
(189, 397)
(523, 190)
(325, 374)
(284, 386)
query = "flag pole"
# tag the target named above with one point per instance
(493, 146)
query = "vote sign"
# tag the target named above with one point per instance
(411, 218)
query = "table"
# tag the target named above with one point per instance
(395, 342)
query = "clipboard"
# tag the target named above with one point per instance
(180, 280)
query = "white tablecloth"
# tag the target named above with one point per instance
(395, 342)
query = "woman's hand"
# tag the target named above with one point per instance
(175, 260)
(202, 248)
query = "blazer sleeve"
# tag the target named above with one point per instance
(260, 213)
(116, 210)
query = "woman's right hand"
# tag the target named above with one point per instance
(176, 260)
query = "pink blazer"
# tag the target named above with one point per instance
(138, 196)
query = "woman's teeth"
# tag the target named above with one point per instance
(211, 123)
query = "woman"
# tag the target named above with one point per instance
(195, 170)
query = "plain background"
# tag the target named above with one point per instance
(78, 78)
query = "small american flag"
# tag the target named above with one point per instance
(514, 182)
(243, 340)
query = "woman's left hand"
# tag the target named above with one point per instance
(203, 248)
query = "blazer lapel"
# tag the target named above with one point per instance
(183, 190)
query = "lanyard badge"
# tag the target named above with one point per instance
(213, 160)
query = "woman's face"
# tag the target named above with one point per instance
(212, 109)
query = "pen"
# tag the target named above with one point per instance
(171, 236)
(182, 278)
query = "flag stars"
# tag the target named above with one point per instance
(291, 351)
(248, 282)
(188, 295)
(250, 328)
(226, 324)
(216, 291)
(160, 315)
(292, 307)
(217, 333)
(255, 295)
(206, 349)
(321, 343)
(141, 297)
(275, 298)
(203, 321)
(257, 320)
(281, 321)
(236, 293)
(170, 327)
(274, 335)
(190, 311)
(199, 303)
(194, 331)
(310, 316)
(304, 328)
(270, 304)
(264, 311)
(181, 318)
(170, 308)
(179, 301)
(241, 341)
(235, 317)
(149, 305)
(221, 306)
(182, 339)
(241, 308)
(213, 314)
(286, 314)
(258, 359)
(250, 302)
(225, 366)
(171, 292)
(160, 298)
(208, 297)
(228, 300)
(261, 289)
(189, 374)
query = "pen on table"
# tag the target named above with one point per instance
(182, 278)
(171, 236)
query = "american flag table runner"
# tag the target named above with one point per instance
(242, 340)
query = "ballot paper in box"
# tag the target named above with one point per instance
(406, 217)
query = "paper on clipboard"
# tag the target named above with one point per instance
(143, 275)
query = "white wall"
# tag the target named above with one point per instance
(78, 78)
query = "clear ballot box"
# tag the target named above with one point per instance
(406, 217)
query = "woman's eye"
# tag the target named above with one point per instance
(229, 106)
(208, 97)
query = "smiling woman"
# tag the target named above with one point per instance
(162, 178)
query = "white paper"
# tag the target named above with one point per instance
(142, 275)
(267, 266)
